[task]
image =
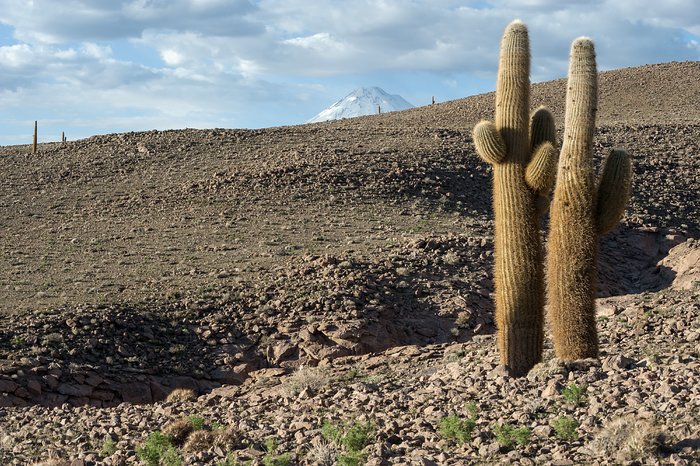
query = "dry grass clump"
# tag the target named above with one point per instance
(181, 394)
(228, 439)
(178, 430)
(305, 377)
(629, 439)
(198, 441)
(190, 434)
(323, 453)
(53, 462)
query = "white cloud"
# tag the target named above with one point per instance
(52, 22)
(95, 51)
(321, 42)
(219, 59)
(17, 56)
(172, 57)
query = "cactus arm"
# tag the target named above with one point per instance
(489, 143)
(542, 168)
(542, 128)
(613, 190)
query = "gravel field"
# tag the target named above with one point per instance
(322, 294)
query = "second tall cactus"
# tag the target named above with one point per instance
(581, 212)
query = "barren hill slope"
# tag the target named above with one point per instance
(139, 215)
(650, 94)
(131, 264)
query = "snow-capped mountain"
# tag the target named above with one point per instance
(362, 101)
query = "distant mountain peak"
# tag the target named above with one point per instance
(362, 101)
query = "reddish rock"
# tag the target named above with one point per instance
(22, 392)
(617, 362)
(103, 395)
(182, 382)
(52, 400)
(76, 401)
(94, 380)
(51, 381)
(158, 392)
(136, 393)
(229, 377)
(34, 387)
(74, 390)
(243, 369)
(552, 389)
(279, 352)
(7, 386)
(271, 372)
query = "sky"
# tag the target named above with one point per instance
(103, 66)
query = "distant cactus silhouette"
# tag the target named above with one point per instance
(34, 139)
(522, 153)
(580, 213)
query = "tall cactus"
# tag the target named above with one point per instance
(580, 212)
(524, 162)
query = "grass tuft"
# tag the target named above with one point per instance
(565, 428)
(181, 394)
(159, 451)
(508, 436)
(628, 439)
(455, 428)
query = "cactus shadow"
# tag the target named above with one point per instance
(689, 443)
(459, 184)
(629, 261)
(124, 338)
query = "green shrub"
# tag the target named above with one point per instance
(454, 428)
(507, 435)
(357, 437)
(159, 451)
(565, 428)
(574, 394)
(271, 458)
(522, 436)
(281, 460)
(352, 440)
(355, 458)
(472, 409)
(197, 422)
(171, 457)
(331, 432)
(108, 448)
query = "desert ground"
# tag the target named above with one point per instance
(326, 293)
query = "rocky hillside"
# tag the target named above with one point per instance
(337, 274)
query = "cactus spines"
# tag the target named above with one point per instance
(579, 213)
(506, 145)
